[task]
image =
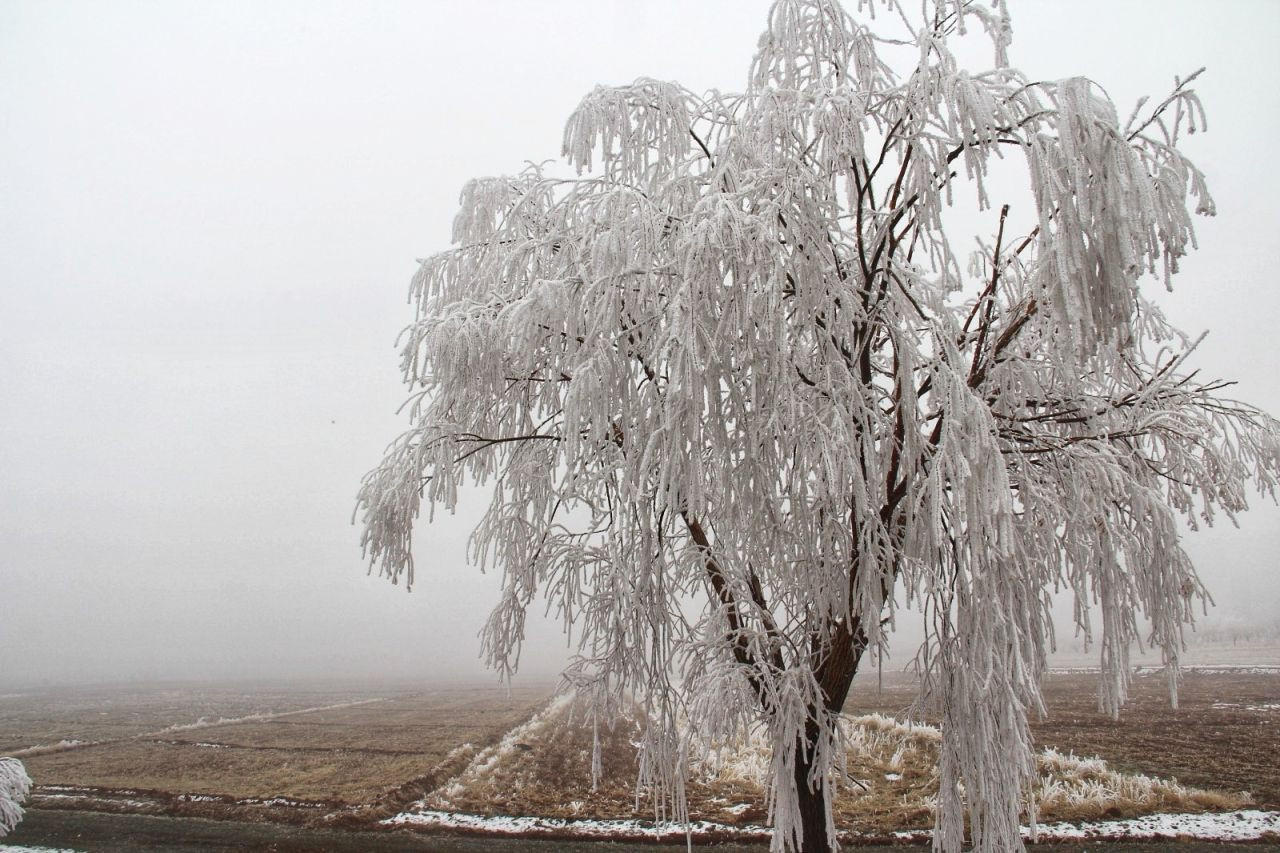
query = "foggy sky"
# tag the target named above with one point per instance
(209, 215)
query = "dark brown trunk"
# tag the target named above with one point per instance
(813, 818)
(838, 663)
(834, 671)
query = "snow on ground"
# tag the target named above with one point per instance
(17, 848)
(1272, 706)
(1155, 669)
(85, 801)
(484, 762)
(1216, 669)
(208, 722)
(1247, 825)
(552, 826)
(60, 746)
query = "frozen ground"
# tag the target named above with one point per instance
(80, 832)
(1224, 736)
(1244, 825)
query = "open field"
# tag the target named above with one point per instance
(544, 768)
(241, 752)
(42, 717)
(1225, 734)
(346, 757)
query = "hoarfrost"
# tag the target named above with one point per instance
(739, 402)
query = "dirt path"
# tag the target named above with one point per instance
(108, 833)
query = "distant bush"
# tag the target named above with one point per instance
(15, 784)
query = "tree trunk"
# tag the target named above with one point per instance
(834, 671)
(813, 817)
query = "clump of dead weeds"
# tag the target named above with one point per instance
(544, 768)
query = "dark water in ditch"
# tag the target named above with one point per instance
(93, 832)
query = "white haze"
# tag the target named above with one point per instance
(209, 214)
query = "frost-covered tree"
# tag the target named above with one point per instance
(15, 784)
(740, 399)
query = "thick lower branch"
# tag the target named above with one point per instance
(742, 651)
(835, 663)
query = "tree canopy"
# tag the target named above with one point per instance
(742, 394)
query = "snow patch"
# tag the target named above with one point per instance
(281, 801)
(488, 759)
(1264, 708)
(1220, 669)
(209, 722)
(87, 799)
(532, 826)
(41, 748)
(1203, 669)
(1247, 825)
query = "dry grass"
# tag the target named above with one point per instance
(47, 717)
(340, 756)
(417, 724)
(1072, 788)
(544, 768)
(329, 776)
(1220, 736)
(467, 748)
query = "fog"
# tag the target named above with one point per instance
(209, 214)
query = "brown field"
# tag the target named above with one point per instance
(296, 758)
(37, 717)
(544, 768)
(338, 757)
(1216, 738)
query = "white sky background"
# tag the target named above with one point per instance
(209, 214)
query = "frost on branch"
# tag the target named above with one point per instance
(740, 407)
(1104, 215)
(635, 127)
(15, 784)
